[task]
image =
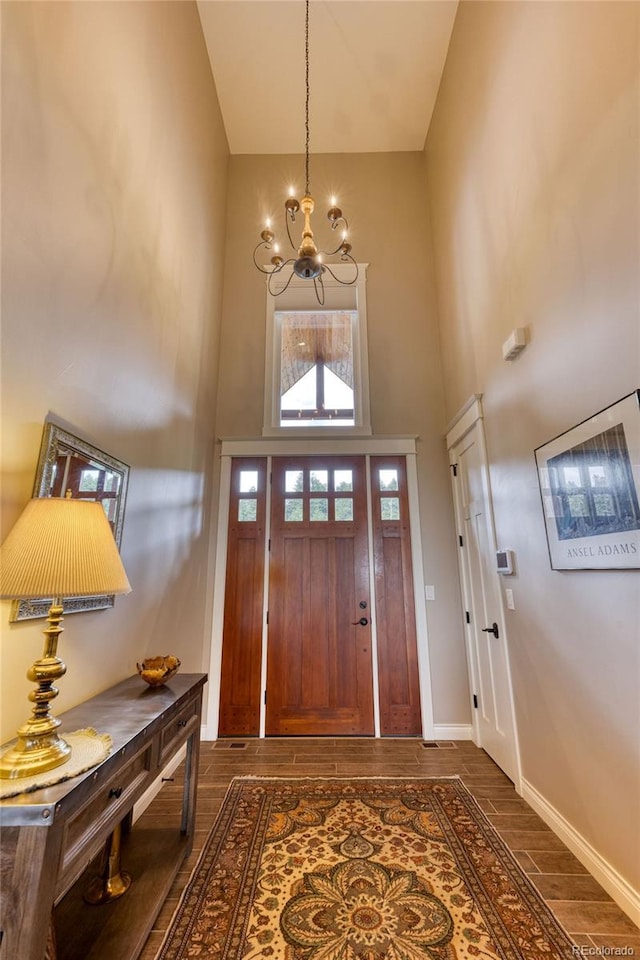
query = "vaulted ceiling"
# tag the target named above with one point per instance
(375, 67)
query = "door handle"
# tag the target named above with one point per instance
(492, 629)
(362, 622)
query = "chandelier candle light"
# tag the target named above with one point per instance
(58, 548)
(310, 264)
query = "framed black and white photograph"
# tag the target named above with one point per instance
(589, 483)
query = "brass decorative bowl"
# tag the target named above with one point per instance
(158, 670)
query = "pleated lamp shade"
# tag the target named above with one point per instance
(61, 548)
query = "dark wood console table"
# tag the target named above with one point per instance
(50, 836)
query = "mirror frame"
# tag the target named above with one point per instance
(55, 439)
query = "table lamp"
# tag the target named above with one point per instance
(58, 548)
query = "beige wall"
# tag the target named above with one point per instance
(383, 197)
(114, 190)
(114, 184)
(532, 163)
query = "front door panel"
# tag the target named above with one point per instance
(319, 666)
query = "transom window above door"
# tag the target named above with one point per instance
(316, 369)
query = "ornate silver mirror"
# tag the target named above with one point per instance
(69, 463)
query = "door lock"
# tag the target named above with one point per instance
(492, 629)
(362, 622)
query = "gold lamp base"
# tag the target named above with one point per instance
(29, 758)
(38, 747)
(112, 882)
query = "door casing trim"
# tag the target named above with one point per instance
(472, 415)
(280, 446)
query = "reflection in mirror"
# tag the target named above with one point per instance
(67, 463)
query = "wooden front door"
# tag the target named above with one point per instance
(319, 663)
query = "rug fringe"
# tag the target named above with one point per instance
(249, 776)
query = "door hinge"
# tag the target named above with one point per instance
(461, 541)
(475, 700)
(269, 546)
(267, 616)
(265, 698)
(454, 467)
(468, 616)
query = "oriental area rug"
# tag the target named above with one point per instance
(359, 869)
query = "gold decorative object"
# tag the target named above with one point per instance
(58, 548)
(158, 670)
(112, 881)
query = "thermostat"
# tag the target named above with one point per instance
(504, 561)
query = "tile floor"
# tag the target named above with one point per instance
(587, 913)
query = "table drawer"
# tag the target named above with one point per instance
(178, 728)
(87, 830)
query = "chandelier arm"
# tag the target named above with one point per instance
(276, 268)
(332, 253)
(343, 220)
(317, 283)
(276, 293)
(345, 283)
(261, 269)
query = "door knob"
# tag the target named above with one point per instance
(362, 622)
(492, 629)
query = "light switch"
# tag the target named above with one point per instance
(509, 595)
(430, 591)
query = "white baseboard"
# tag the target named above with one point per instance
(614, 883)
(452, 731)
(441, 731)
(141, 805)
(208, 734)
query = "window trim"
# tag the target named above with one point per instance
(362, 409)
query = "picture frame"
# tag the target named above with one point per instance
(589, 478)
(69, 462)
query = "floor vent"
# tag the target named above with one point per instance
(237, 746)
(440, 745)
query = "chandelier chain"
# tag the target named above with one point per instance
(306, 125)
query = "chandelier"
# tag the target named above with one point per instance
(310, 263)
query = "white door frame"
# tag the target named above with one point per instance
(316, 446)
(470, 416)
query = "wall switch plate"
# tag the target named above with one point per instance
(509, 595)
(430, 591)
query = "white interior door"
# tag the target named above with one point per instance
(487, 643)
